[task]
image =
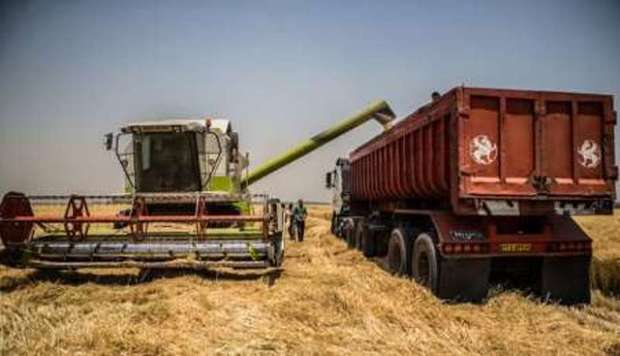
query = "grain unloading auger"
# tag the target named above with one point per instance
(187, 204)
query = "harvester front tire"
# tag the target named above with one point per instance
(10, 257)
(279, 251)
(399, 253)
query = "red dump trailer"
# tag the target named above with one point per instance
(479, 185)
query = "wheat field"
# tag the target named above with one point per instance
(329, 300)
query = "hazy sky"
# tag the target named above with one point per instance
(70, 71)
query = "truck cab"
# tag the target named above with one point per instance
(338, 181)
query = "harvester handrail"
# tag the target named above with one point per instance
(56, 219)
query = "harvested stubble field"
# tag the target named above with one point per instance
(329, 300)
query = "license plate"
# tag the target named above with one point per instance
(515, 247)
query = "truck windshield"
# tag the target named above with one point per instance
(166, 162)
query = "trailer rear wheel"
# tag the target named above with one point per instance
(424, 266)
(454, 279)
(368, 244)
(399, 252)
(566, 279)
(360, 231)
(349, 234)
(333, 225)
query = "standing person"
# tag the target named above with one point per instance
(288, 219)
(299, 219)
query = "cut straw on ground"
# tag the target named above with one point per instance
(328, 301)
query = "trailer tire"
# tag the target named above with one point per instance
(368, 244)
(424, 264)
(349, 234)
(333, 224)
(454, 279)
(360, 232)
(565, 280)
(399, 253)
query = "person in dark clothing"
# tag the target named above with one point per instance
(299, 215)
(288, 220)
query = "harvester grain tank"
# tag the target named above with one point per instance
(481, 183)
(187, 204)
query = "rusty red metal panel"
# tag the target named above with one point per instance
(419, 160)
(401, 168)
(480, 144)
(391, 176)
(384, 172)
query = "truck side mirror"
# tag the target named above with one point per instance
(107, 141)
(328, 180)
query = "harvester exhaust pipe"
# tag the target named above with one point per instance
(379, 111)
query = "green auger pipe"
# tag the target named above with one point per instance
(379, 111)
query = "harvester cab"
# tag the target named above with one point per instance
(183, 156)
(180, 156)
(186, 203)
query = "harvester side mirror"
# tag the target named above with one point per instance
(107, 141)
(328, 180)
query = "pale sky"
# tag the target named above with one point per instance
(71, 71)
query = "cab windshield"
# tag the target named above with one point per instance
(167, 162)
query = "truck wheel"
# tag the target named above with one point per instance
(349, 235)
(368, 244)
(566, 280)
(399, 252)
(424, 268)
(454, 279)
(360, 232)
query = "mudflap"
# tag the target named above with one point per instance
(565, 280)
(463, 279)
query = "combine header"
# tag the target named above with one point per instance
(187, 204)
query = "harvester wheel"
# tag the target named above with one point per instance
(566, 279)
(332, 227)
(278, 251)
(10, 257)
(399, 252)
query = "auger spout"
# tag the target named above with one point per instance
(379, 111)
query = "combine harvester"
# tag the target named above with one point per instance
(188, 206)
(479, 184)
